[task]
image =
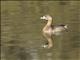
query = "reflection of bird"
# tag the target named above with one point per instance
(49, 30)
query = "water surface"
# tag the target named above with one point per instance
(21, 37)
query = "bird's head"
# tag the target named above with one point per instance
(46, 17)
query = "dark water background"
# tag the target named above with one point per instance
(21, 37)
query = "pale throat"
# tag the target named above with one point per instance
(49, 23)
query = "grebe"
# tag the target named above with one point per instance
(49, 30)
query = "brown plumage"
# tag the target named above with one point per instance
(49, 30)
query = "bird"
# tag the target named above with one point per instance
(50, 30)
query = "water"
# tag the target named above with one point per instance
(21, 37)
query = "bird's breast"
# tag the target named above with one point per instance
(47, 31)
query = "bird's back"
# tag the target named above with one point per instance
(57, 29)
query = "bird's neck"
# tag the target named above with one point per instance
(49, 23)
